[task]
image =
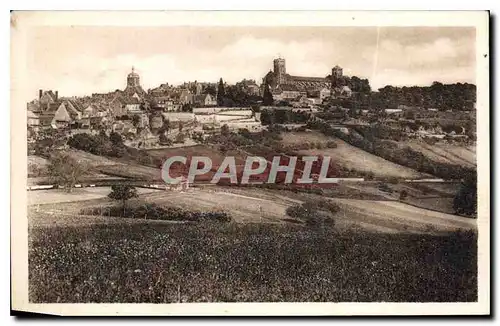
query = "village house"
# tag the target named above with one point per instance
(146, 139)
(56, 116)
(117, 107)
(33, 120)
(287, 92)
(124, 128)
(132, 106)
(183, 97)
(205, 100)
(47, 97)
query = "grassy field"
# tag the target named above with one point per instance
(153, 263)
(256, 205)
(349, 156)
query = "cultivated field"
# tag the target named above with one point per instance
(251, 205)
(392, 216)
(377, 251)
(444, 153)
(168, 263)
(350, 156)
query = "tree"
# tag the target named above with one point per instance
(164, 140)
(66, 171)
(180, 138)
(123, 193)
(166, 125)
(116, 138)
(224, 130)
(220, 93)
(136, 120)
(465, 201)
(181, 125)
(210, 89)
(268, 97)
(187, 107)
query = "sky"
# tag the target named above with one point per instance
(81, 60)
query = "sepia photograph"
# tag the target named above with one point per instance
(264, 163)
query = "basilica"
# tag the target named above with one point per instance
(279, 79)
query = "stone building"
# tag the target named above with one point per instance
(134, 88)
(279, 77)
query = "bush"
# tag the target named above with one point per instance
(403, 194)
(331, 144)
(155, 212)
(314, 213)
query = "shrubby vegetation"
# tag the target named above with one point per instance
(465, 201)
(314, 213)
(112, 146)
(155, 212)
(283, 116)
(65, 171)
(100, 144)
(444, 97)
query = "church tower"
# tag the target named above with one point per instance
(336, 76)
(133, 79)
(280, 71)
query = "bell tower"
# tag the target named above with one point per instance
(280, 70)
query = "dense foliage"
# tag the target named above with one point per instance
(465, 201)
(457, 96)
(99, 145)
(283, 116)
(112, 146)
(155, 212)
(64, 170)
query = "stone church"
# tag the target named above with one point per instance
(279, 79)
(134, 88)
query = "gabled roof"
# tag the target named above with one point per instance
(33, 106)
(201, 97)
(51, 94)
(52, 107)
(131, 100)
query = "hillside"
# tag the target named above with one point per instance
(350, 156)
(444, 153)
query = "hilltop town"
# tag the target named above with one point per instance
(299, 181)
(168, 114)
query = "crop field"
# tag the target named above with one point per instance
(393, 216)
(349, 156)
(445, 153)
(168, 263)
(440, 204)
(354, 158)
(291, 138)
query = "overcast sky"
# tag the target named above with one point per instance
(83, 60)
